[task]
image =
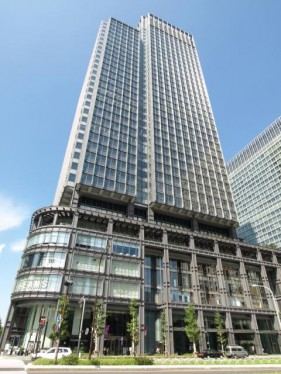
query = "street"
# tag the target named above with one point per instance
(11, 366)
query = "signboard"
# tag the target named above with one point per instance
(56, 328)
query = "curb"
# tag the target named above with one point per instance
(85, 368)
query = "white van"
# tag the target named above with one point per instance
(236, 351)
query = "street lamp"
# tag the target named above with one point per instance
(67, 283)
(81, 301)
(276, 307)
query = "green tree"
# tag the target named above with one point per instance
(97, 327)
(133, 325)
(163, 327)
(191, 327)
(98, 324)
(60, 331)
(221, 339)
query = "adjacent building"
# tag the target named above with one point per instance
(255, 178)
(143, 210)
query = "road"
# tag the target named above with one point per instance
(12, 366)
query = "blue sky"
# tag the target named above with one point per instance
(45, 49)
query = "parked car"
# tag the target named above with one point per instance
(50, 353)
(236, 351)
(39, 354)
(209, 353)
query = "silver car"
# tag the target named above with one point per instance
(236, 351)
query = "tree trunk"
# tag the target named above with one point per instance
(97, 353)
(194, 348)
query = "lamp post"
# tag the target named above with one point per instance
(67, 283)
(276, 307)
(82, 301)
(94, 309)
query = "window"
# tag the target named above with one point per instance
(58, 238)
(91, 242)
(86, 286)
(124, 248)
(71, 177)
(44, 259)
(127, 269)
(124, 290)
(88, 263)
(74, 165)
(47, 283)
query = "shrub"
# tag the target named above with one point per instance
(69, 360)
(43, 361)
(115, 360)
(95, 361)
(143, 360)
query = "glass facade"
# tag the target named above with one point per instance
(147, 126)
(57, 238)
(255, 181)
(32, 282)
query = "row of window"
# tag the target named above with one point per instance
(82, 286)
(60, 238)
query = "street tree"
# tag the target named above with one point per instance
(163, 329)
(191, 327)
(221, 339)
(133, 325)
(60, 327)
(98, 324)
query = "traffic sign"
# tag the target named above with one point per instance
(56, 328)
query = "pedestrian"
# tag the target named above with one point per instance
(253, 349)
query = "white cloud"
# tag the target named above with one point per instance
(11, 214)
(18, 246)
(2, 246)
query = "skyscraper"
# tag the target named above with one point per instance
(143, 208)
(255, 179)
(144, 127)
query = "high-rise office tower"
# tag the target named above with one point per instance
(143, 208)
(144, 127)
(255, 178)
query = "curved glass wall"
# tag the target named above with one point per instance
(58, 238)
(34, 282)
(44, 259)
